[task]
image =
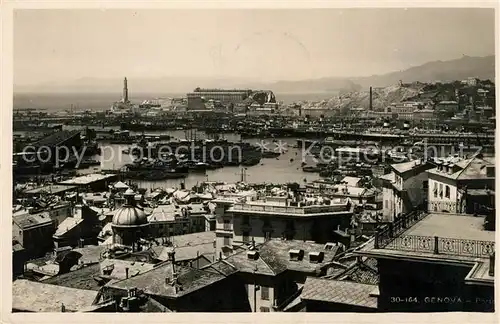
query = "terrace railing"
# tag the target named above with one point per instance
(385, 235)
(442, 245)
(392, 238)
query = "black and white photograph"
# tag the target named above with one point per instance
(246, 160)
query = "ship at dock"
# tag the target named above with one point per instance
(200, 155)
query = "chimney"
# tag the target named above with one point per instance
(296, 255)
(371, 98)
(253, 255)
(171, 255)
(316, 257)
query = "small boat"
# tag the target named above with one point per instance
(270, 154)
(311, 169)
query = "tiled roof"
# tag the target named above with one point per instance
(67, 225)
(82, 278)
(193, 239)
(90, 253)
(221, 267)
(153, 282)
(473, 168)
(274, 258)
(364, 272)
(340, 292)
(29, 220)
(119, 268)
(162, 213)
(407, 166)
(185, 252)
(41, 297)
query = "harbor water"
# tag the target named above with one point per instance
(286, 168)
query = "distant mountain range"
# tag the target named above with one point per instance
(458, 69)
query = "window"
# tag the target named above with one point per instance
(386, 204)
(447, 192)
(227, 241)
(435, 190)
(267, 236)
(264, 293)
(264, 309)
(227, 225)
(246, 237)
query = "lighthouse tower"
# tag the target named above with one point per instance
(125, 91)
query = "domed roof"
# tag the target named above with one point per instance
(129, 214)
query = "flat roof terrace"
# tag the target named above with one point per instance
(452, 238)
(274, 209)
(452, 226)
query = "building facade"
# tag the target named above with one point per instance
(275, 217)
(451, 179)
(197, 98)
(405, 188)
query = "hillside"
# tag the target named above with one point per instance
(459, 69)
(382, 97)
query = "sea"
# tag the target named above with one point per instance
(101, 101)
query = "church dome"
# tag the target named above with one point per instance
(129, 214)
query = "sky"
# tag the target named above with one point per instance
(52, 45)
